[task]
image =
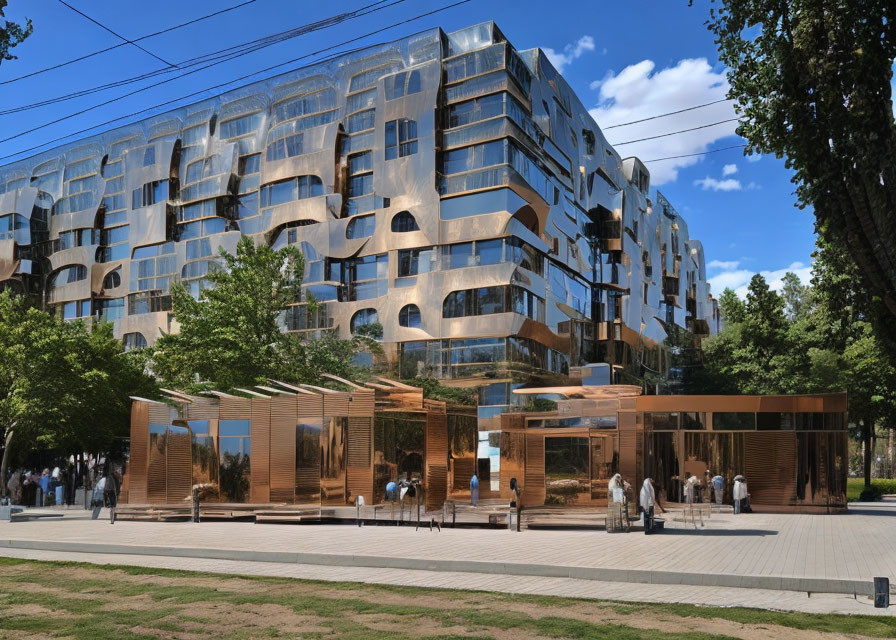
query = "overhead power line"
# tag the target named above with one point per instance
(670, 113)
(115, 33)
(672, 133)
(222, 55)
(121, 44)
(702, 153)
(315, 26)
(241, 78)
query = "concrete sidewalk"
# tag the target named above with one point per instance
(765, 552)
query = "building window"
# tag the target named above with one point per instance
(360, 172)
(305, 105)
(403, 221)
(112, 279)
(291, 189)
(402, 84)
(364, 317)
(401, 138)
(414, 261)
(68, 275)
(76, 309)
(364, 277)
(360, 227)
(149, 194)
(360, 121)
(240, 126)
(133, 341)
(409, 316)
(285, 147)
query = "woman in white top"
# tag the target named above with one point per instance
(739, 493)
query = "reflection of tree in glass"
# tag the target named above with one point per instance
(235, 476)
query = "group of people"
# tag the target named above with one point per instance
(713, 486)
(40, 489)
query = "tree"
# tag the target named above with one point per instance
(232, 336)
(796, 296)
(63, 386)
(11, 34)
(812, 84)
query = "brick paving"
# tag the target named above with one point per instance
(855, 546)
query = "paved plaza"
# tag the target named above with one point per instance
(796, 562)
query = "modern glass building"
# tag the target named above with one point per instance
(446, 186)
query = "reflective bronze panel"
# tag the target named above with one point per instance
(283, 448)
(261, 450)
(399, 444)
(567, 470)
(604, 464)
(513, 459)
(661, 465)
(204, 452)
(463, 441)
(359, 464)
(157, 468)
(234, 448)
(770, 467)
(332, 461)
(533, 484)
(307, 464)
(179, 465)
(720, 453)
(137, 468)
(821, 461)
(436, 438)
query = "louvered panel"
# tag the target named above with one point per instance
(260, 467)
(139, 462)
(203, 409)
(283, 448)
(309, 406)
(362, 403)
(234, 408)
(179, 466)
(159, 413)
(336, 405)
(769, 461)
(308, 483)
(436, 458)
(359, 458)
(533, 484)
(157, 469)
(630, 448)
(463, 472)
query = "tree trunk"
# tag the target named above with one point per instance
(866, 441)
(3, 464)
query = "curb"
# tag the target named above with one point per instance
(774, 583)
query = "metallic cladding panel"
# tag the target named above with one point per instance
(310, 406)
(260, 432)
(157, 469)
(179, 466)
(436, 459)
(283, 449)
(232, 408)
(336, 404)
(333, 461)
(770, 467)
(359, 458)
(533, 493)
(139, 462)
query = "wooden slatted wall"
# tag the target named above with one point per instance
(436, 458)
(179, 465)
(336, 404)
(260, 454)
(234, 408)
(533, 482)
(359, 458)
(159, 413)
(770, 461)
(202, 409)
(283, 449)
(157, 469)
(139, 463)
(308, 406)
(631, 448)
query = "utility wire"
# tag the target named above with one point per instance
(218, 86)
(702, 153)
(316, 26)
(226, 54)
(670, 113)
(116, 34)
(672, 133)
(121, 44)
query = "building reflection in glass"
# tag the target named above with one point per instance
(234, 450)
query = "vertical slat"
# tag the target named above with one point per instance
(179, 466)
(260, 467)
(283, 449)
(436, 458)
(359, 457)
(139, 462)
(533, 483)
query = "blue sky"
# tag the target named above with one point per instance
(626, 61)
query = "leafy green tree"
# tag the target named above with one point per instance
(63, 386)
(796, 296)
(812, 84)
(11, 34)
(232, 335)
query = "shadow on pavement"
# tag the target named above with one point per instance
(717, 532)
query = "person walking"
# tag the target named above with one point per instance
(516, 505)
(647, 500)
(474, 490)
(718, 488)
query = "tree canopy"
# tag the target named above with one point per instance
(811, 81)
(232, 336)
(63, 385)
(11, 34)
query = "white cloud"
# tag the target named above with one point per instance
(739, 279)
(729, 169)
(640, 91)
(560, 59)
(727, 265)
(708, 183)
(756, 157)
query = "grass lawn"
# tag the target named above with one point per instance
(880, 486)
(75, 600)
